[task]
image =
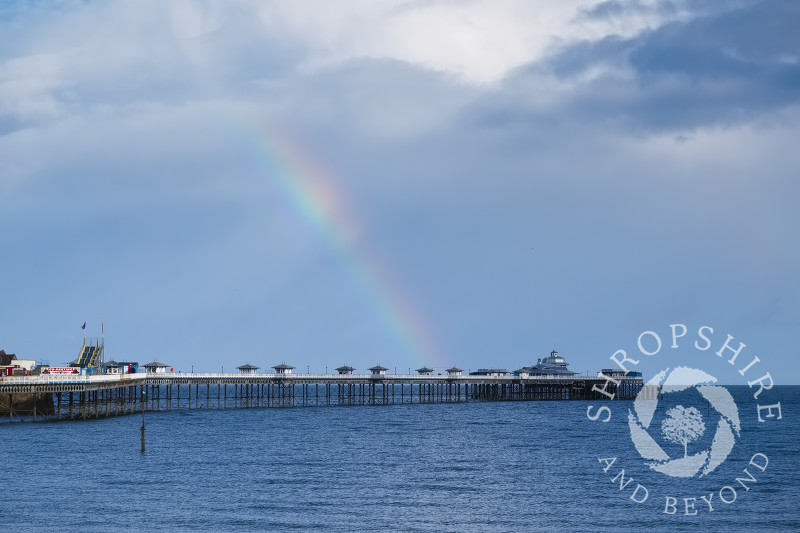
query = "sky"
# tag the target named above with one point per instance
(404, 183)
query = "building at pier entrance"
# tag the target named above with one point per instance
(119, 367)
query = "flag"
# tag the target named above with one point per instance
(83, 326)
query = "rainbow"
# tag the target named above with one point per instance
(313, 195)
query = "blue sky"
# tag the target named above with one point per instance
(399, 182)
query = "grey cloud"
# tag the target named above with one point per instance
(615, 9)
(717, 69)
(53, 68)
(619, 8)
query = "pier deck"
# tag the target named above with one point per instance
(60, 397)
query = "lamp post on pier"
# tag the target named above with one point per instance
(143, 402)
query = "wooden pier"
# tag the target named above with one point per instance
(68, 397)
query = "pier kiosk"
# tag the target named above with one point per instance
(283, 369)
(247, 368)
(378, 370)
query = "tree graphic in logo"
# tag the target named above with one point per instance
(683, 426)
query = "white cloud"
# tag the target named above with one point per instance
(28, 87)
(479, 40)
(390, 67)
(139, 41)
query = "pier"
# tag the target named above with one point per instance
(71, 397)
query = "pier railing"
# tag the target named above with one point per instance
(70, 378)
(404, 377)
(113, 378)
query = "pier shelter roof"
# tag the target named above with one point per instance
(425, 371)
(345, 369)
(378, 369)
(454, 370)
(156, 366)
(247, 368)
(283, 368)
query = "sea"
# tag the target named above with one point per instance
(477, 466)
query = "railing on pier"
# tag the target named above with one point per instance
(104, 378)
(69, 378)
(402, 377)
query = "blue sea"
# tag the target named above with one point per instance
(491, 466)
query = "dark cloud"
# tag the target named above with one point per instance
(665, 9)
(718, 68)
(618, 8)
